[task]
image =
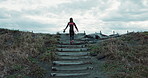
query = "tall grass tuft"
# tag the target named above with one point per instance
(19, 52)
(128, 55)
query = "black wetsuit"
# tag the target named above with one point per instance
(71, 30)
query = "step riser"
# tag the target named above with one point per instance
(68, 64)
(68, 43)
(71, 70)
(74, 70)
(81, 58)
(71, 46)
(72, 53)
(75, 41)
(68, 75)
(72, 63)
(71, 50)
(61, 59)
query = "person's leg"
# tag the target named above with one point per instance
(71, 36)
(71, 39)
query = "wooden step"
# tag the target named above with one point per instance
(71, 46)
(72, 53)
(70, 68)
(71, 62)
(71, 49)
(67, 74)
(74, 43)
(73, 57)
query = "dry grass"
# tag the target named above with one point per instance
(128, 55)
(19, 52)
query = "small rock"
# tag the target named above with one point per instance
(102, 56)
(54, 63)
(93, 54)
(54, 69)
(90, 68)
(53, 74)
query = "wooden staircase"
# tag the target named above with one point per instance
(73, 60)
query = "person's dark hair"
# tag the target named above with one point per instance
(71, 19)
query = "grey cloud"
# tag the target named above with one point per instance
(32, 12)
(16, 20)
(91, 9)
(2, 0)
(121, 27)
(127, 18)
(80, 5)
(4, 14)
(25, 24)
(135, 12)
(75, 6)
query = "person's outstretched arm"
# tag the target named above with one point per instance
(66, 27)
(76, 27)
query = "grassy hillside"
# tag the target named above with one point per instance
(20, 53)
(126, 56)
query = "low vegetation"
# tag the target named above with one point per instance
(20, 53)
(126, 56)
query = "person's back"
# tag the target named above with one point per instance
(71, 24)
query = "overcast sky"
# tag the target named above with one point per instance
(51, 16)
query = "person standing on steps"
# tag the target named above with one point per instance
(71, 24)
